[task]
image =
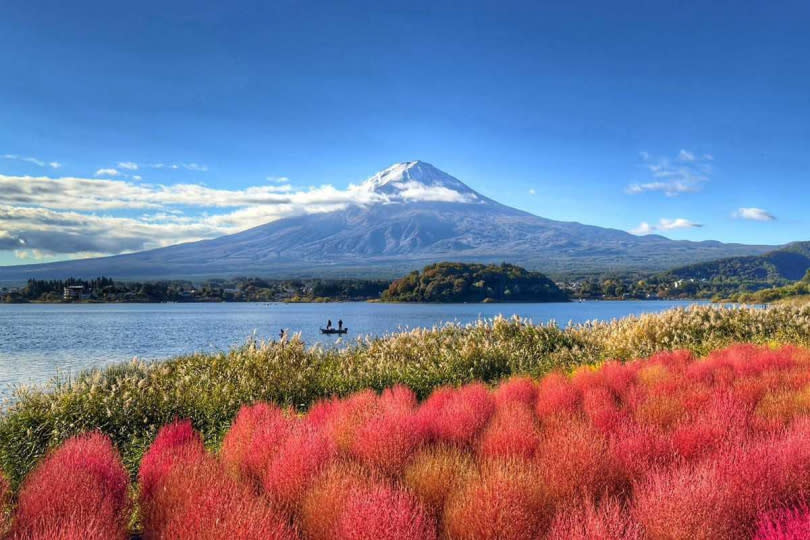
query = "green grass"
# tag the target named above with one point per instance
(129, 402)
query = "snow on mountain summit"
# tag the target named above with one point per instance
(413, 181)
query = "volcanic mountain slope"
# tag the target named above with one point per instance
(411, 214)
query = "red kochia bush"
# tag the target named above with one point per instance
(253, 439)
(789, 524)
(186, 493)
(79, 488)
(383, 512)
(176, 446)
(295, 465)
(458, 416)
(517, 389)
(207, 503)
(512, 432)
(385, 442)
(507, 501)
(587, 521)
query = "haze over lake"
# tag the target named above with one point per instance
(37, 341)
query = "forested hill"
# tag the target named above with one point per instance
(462, 282)
(789, 263)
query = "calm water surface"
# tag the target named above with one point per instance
(39, 341)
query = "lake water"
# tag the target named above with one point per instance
(37, 341)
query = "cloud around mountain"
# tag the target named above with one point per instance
(42, 216)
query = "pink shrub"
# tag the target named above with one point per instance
(587, 521)
(298, 461)
(435, 472)
(722, 421)
(457, 417)
(637, 450)
(207, 503)
(344, 419)
(556, 395)
(574, 460)
(513, 432)
(788, 524)
(687, 502)
(722, 496)
(381, 511)
(324, 502)
(506, 501)
(601, 408)
(254, 437)
(386, 441)
(517, 389)
(82, 485)
(176, 446)
(398, 399)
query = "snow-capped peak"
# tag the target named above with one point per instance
(419, 181)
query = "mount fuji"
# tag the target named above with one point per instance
(402, 218)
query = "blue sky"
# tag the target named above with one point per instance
(669, 114)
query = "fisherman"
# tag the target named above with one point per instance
(329, 324)
(340, 324)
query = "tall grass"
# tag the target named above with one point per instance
(5, 499)
(130, 402)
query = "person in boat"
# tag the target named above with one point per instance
(329, 324)
(340, 324)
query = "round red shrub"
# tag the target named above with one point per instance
(516, 389)
(382, 512)
(177, 445)
(385, 442)
(513, 432)
(506, 501)
(608, 520)
(299, 459)
(458, 416)
(252, 440)
(785, 524)
(81, 484)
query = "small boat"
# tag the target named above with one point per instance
(334, 330)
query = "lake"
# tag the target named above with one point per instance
(37, 341)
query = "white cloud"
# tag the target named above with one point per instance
(643, 228)
(137, 178)
(685, 155)
(196, 167)
(417, 191)
(754, 214)
(665, 224)
(532, 191)
(35, 161)
(686, 174)
(107, 172)
(679, 223)
(278, 179)
(128, 165)
(43, 216)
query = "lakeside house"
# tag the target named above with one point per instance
(74, 292)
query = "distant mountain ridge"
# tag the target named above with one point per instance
(788, 263)
(405, 217)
